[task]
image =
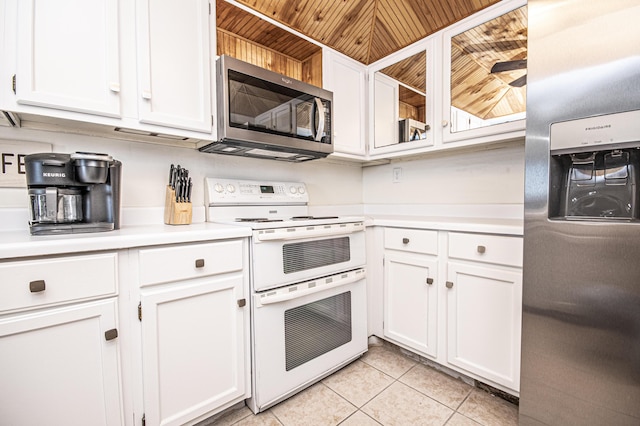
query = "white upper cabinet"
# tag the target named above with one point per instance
(462, 86)
(484, 79)
(346, 78)
(68, 56)
(401, 115)
(174, 64)
(143, 67)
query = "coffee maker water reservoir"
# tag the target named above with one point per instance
(73, 193)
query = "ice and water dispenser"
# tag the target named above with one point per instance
(595, 168)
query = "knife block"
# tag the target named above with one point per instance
(176, 213)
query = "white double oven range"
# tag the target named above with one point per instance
(308, 291)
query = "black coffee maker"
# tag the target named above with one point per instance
(73, 193)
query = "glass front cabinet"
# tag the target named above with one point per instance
(401, 87)
(465, 85)
(485, 75)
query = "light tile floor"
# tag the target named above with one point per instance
(384, 387)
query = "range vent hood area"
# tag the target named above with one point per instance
(227, 146)
(260, 150)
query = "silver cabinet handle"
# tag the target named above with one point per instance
(199, 263)
(405, 241)
(429, 281)
(482, 249)
(37, 286)
(449, 284)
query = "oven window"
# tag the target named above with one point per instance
(316, 328)
(314, 254)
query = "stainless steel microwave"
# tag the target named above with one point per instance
(267, 115)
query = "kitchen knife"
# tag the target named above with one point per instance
(177, 189)
(183, 188)
(171, 173)
(189, 186)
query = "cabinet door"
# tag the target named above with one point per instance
(173, 62)
(347, 80)
(484, 321)
(192, 334)
(57, 368)
(484, 85)
(68, 55)
(410, 301)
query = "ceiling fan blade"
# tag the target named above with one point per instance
(508, 66)
(519, 82)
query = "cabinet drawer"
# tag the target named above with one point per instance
(501, 250)
(49, 281)
(413, 240)
(175, 263)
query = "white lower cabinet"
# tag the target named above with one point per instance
(484, 321)
(59, 349)
(411, 301)
(193, 331)
(463, 290)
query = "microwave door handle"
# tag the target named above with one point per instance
(319, 108)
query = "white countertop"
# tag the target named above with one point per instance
(14, 244)
(19, 243)
(506, 226)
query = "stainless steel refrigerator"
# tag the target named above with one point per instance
(581, 294)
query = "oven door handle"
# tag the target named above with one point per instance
(283, 234)
(277, 298)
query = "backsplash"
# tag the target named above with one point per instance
(146, 166)
(491, 176)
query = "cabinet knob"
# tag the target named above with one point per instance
(111, 334)
(242, 303)
(199, 263)
(36, 286)
(405, 241)
(449, 284)
(429, 281)
(445, 123)
(481, 249)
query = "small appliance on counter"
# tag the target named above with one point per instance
(73, 193)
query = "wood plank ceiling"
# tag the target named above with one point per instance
(367, 30)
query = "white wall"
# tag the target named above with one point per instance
(485, 177)
(146, 170)
(493, 176)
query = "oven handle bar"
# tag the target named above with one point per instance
(286, 234)
(329, 283)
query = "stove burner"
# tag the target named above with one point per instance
(256, 219)
(313, 217)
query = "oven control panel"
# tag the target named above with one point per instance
(235, 191)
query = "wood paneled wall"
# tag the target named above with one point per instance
(309, 71)
(410, 111)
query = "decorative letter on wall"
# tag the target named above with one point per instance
(12, 171)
